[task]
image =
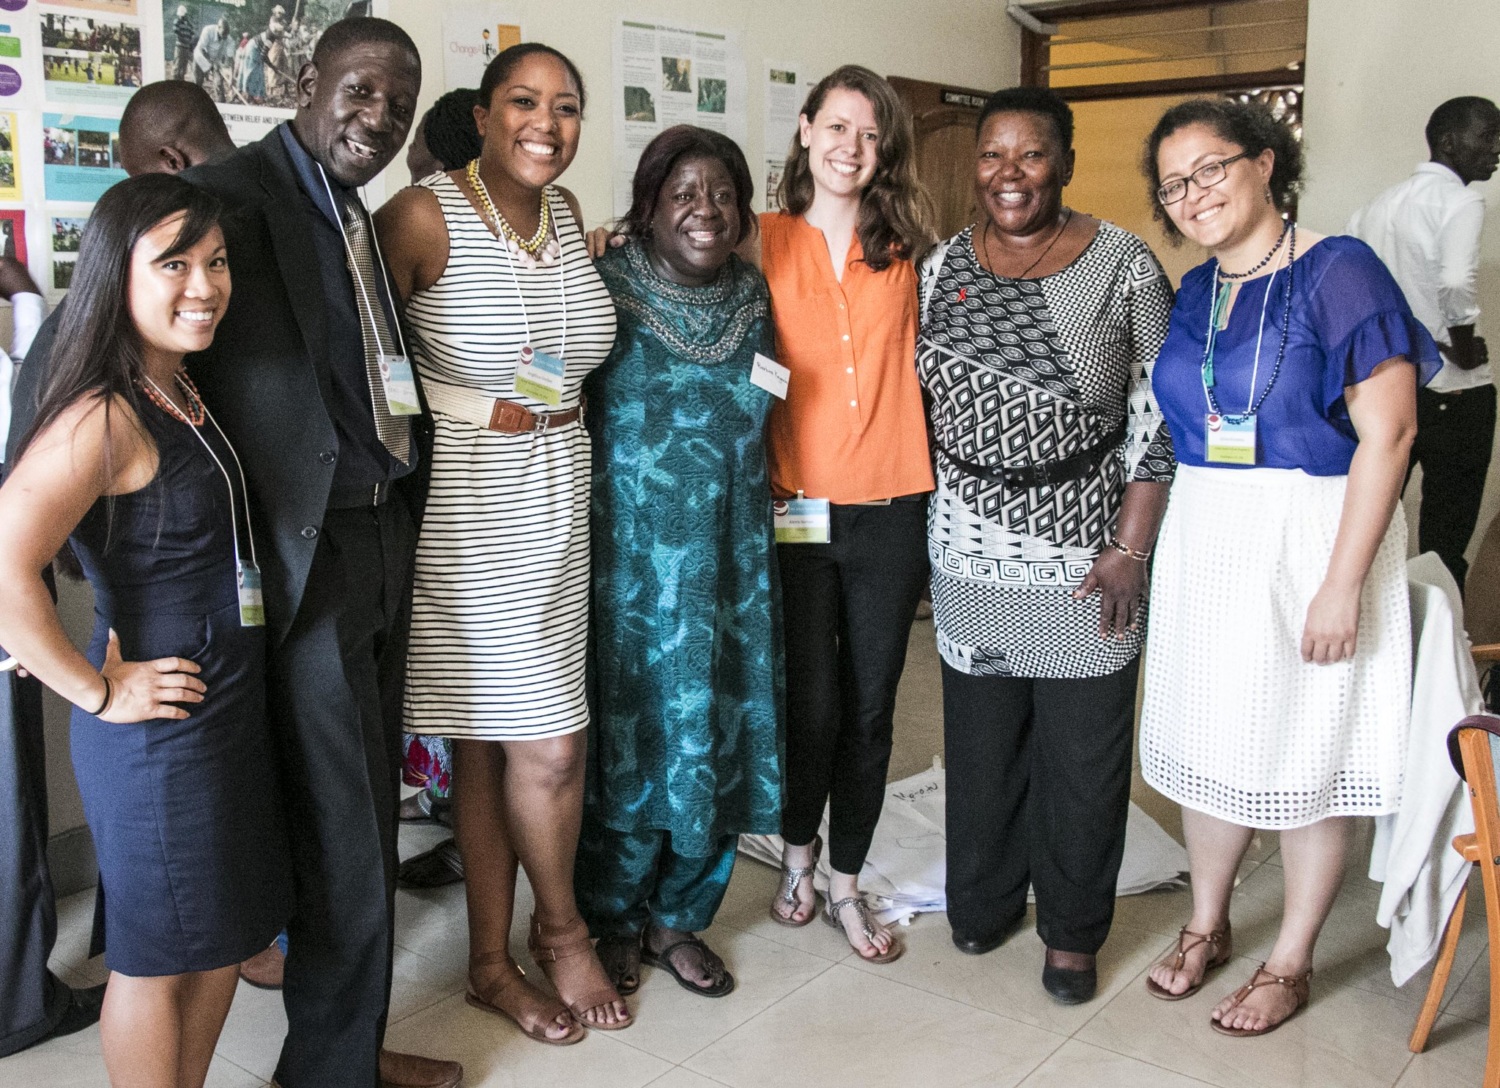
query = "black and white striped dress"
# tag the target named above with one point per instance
(499, 628)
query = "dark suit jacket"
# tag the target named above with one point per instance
(266, 377)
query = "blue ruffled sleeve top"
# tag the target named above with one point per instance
(1347, 317)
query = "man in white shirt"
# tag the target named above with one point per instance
(1426, 230)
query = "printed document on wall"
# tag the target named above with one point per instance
(786, 87)
(473, 35)
(670, 75)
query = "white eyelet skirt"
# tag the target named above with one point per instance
(1234, 723)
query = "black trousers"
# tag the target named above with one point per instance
(847, 609)
(1454, 435)
(336, 685)
(1038, 784)
(32, 998)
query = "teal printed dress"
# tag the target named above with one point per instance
(686, 645)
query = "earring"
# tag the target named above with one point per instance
(1269, 198)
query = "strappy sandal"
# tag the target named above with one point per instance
(573, 941)
(621, 959)
(1221, 950)
(790, 878)
(711, 961)
(1300, 985)
(492, 999)
(862, 909)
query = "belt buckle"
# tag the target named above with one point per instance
(540, 422)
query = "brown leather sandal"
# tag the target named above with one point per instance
(1300, 985)
(1221, 948)
(573, 941)
(504, 990)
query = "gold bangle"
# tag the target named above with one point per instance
(1125, 550)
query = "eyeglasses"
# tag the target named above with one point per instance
(1208, 174)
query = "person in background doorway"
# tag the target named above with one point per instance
(1426, 230)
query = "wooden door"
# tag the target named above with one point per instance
(944, 118)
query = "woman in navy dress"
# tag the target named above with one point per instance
(170, 743)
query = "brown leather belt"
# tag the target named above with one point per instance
(507, 417)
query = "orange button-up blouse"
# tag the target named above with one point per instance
(851, 428)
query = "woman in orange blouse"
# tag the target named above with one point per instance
(850, 434)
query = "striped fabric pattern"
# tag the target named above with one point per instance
(499, 632)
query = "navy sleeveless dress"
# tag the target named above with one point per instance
(194, 864)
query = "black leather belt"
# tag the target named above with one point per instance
(352, 498)
(1044, 473)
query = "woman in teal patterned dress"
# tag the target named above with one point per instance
(686, 750)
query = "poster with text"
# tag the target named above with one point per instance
(10, 157)
(473, 35)
(786, 88)
(15, 77)
(13, 233)
(80, 158)
(85, 59)
(665, 76)
(245, 53)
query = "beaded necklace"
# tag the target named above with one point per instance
(1285, 226)
(541, 248)
(1207, 366)
(196, 412)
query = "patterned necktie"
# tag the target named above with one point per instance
(394, 431)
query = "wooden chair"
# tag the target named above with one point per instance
(1473, 739)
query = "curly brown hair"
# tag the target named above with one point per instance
(1249, 125)
(895, 211)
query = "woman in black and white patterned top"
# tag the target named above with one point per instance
(1039, 331)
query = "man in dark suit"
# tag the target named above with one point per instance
(166, 127)
(305, 376)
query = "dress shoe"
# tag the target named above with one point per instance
(414, 1071)
(1068, 985)
(82, 1011)
(441, 865)
(977, 944)
(265, 970)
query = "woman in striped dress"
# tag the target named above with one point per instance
(508, 316)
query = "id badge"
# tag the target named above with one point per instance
(252, 604)
(1229, 443)
(539, 375)
(769, 375)
(400, 385)
(801, 521)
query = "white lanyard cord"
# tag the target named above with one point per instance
(354, 267)
(234, 525)
(1259, 333)
(511, 260)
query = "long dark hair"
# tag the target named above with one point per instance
(661, 157)
(97, 351)
(895, 212)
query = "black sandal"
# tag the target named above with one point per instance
(621, 959)
(711, 961)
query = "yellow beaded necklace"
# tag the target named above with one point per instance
(537, 246)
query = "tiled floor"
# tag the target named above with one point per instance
(808, 1012)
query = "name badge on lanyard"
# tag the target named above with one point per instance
(399, 383)
(1229, 442)
(252, 603)
(539, 375)
(801, 521)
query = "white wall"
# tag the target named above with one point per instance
(1375, 71)
(966, 42)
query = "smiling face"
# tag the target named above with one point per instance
(530, 129)
(353, 116)
(1020, 171)
(177, 302)
(697, 222)
(843, 143)
(1223, 215)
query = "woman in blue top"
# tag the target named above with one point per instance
(1278, 664)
